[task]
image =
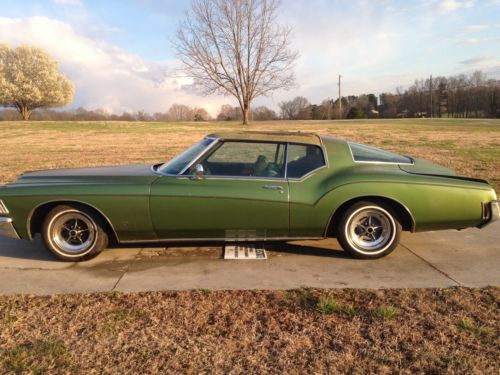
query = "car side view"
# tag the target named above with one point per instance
(247, 186)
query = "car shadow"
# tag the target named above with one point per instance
(35, 250)
(22, 249)
(275, 248)
(295, 249)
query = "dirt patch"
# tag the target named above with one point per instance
(297, 331)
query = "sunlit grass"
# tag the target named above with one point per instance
(470, 147)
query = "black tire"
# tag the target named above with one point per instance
(74, 233)
(369, 230)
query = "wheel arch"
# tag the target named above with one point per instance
(38, 214)
(404, 214)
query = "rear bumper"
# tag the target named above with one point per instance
(491, 213)
(7, 229)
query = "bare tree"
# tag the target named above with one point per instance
(236, 47)
(229, 113)
(200, 114)
(180, 112)
(296, 109)
(263, 113)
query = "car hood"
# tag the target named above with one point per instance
(68, 175)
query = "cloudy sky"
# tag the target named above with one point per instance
(119, 54)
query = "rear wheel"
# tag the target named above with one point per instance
(74, 233)
(368, 230)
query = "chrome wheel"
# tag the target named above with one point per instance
(370, 230)
(73, 232)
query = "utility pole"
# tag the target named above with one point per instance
(340, 100)
(430, 88)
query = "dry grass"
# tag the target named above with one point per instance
(300, 331)
(471, 147)
(297, 331)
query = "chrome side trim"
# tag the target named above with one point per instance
(7, 229)
(325, 153)
(251, 178)
(287, 146)
(3, 209)
(221, 239)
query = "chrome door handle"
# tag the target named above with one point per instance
(273, 187)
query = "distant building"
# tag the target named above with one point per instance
(372, 113)
(403, 114)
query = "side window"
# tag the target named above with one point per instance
(363, 153)
(303, 159)
(246, 159)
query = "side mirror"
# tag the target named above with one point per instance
(199, 172)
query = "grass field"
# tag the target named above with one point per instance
(453, 331)
(471, 147)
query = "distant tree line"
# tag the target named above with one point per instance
(461, 96)
(458, 96)
(177, 112)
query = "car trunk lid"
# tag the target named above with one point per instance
(427, 168)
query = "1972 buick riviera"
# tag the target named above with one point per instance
(247, 186)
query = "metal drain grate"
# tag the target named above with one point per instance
(244, 252)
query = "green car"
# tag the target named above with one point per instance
(246, 186)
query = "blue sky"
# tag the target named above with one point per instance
(119, 56)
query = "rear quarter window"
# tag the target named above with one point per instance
(303, 159)
(367, 154)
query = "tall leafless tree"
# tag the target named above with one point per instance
(236, 47)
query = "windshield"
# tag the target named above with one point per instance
(176, 165)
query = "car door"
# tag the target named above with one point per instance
(242, 194)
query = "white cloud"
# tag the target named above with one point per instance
(471, 29)
(479, 60)
(365, 47)
(68, 2)
(472, 41)
(452, 5)
(105, 76)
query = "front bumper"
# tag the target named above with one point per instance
(7, 229)
(492, 213)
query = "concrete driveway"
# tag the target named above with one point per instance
(423, 260)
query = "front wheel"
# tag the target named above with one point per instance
(74, 233)
(368, 230)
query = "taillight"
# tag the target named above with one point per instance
(486, 211)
